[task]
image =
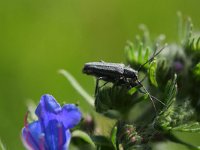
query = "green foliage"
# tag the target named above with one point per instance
(110, 99)
(114, 137)
(84, 136)
(170, 92)
(137, 55)
(173, 83)
(152, 73)
(188, 127)
(196, 71)
(194, 44)
(178, 113)
(102, 141)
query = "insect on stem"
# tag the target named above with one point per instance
(118, 74)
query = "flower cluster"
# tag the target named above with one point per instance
(52, 129)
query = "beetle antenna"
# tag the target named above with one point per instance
(154, 98)
(148, 94)
(152, 58)
(158, 100)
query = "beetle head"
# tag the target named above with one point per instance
(130, 73)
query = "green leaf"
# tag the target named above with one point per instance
(193, 44)
(101, 140)
(170, 91)
(188, 30)
(2, 147)
(113, 114)
(140, 53)
(198, 44)
(173, 138)
(146, 55)
(133, 90)
(180, 26)
(114, 137)
(129, 52)
(196, 71)
(84, 136)
(152, 73)
(189, 127)
(146, 36)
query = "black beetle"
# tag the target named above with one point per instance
(117, 73)
(112, 72)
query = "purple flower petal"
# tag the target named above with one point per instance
(70, 116)
(47, 103)
(51, 131)
(47, 109)
(31, 135)
(55, 135)
(68, 137)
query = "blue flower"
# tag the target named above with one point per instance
(52, 129)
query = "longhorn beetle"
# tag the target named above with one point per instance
(118, 74)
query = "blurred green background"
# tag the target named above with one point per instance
(39, 37)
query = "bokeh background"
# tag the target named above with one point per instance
(39, 37)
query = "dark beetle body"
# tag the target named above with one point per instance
(117, 73)
(111, 72)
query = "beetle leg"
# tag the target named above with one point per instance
(123, 82)
(104, 84)
(97, 86)
(128, 83)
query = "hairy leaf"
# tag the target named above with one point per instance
(188, 127)
(196, 71)
(152, 73)
(114, 137)
(170, 91)
(140, 53)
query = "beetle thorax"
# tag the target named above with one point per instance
(130, 73)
